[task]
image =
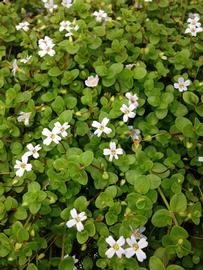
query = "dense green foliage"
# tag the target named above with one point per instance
(156, 182)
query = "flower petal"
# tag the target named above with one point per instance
(110, 241)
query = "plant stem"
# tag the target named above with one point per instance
(168, 206)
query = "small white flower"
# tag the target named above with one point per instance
(137, 233)
(148, 0)
(65, 25)
(200, 159)
(15, 67)
(130, 66)
(33, 150)
(136, 248)
(132, 99)
(25, 60)
(51, 136)
(60, 129)
(92, 81)
(101, 127)
(100, 15)
(115, 247)
(49, 4)
(194, 15)
(22, 166)
(134, 133)
(75, 260)
(76, 220)
(112, 152)
(67, 3)
(194, 21)
(193, 30)
(24, 117)
(46, 45)
(182, 85)
(128, 111)
(23, 25)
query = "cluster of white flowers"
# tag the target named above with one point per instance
(46, 47)
(100, 16)
(23, 26)
(23, 165)
(136, 243)
(182, 85)
(54, 135)
(194, 25)
(132, 105)
(68, 27)
(76, 220)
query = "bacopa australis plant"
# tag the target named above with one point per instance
(101, 125)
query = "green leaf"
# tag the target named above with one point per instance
(142, 184)
(54, 72)
(139, 73)
(5, 246)
(185, 126)
(66, 264)
(161, 218)
(86, 158)
(175, 267)
(190, 98)
(66, 116)
(178, 203)
(69, 46)
(81, 203)
(156, 264)
(31, 266)
(82, 237)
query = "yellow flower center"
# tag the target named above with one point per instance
(181, 85)
(127, 111)
(136, 247)
(137, 234)
(62, 129)
(23, 165)
(101, 128)
(78, 219)
(113, 152)
(34, 151)
(116, 247)
(52, 136)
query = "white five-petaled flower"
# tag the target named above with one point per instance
(182, 85)
(60, 129)
(134, 133)
(137, 233)
(26, 59)
(33, 150)
(76, 220)
(92, 81)
(115, 247)
(46, 47)
(194, 21)
(200, 159)
(22, 166)
(193, 29)
(101, 127)
(75, 260)
(51, 136)
(100, 15)
(112, 152)
(24, 117)
(68, 27)
(128, 111)
(132, 99)
(49, 4)
(23, 25)
(136, 248)
(67, 3)
(15, 67)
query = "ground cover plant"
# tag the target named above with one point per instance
(101, 109)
